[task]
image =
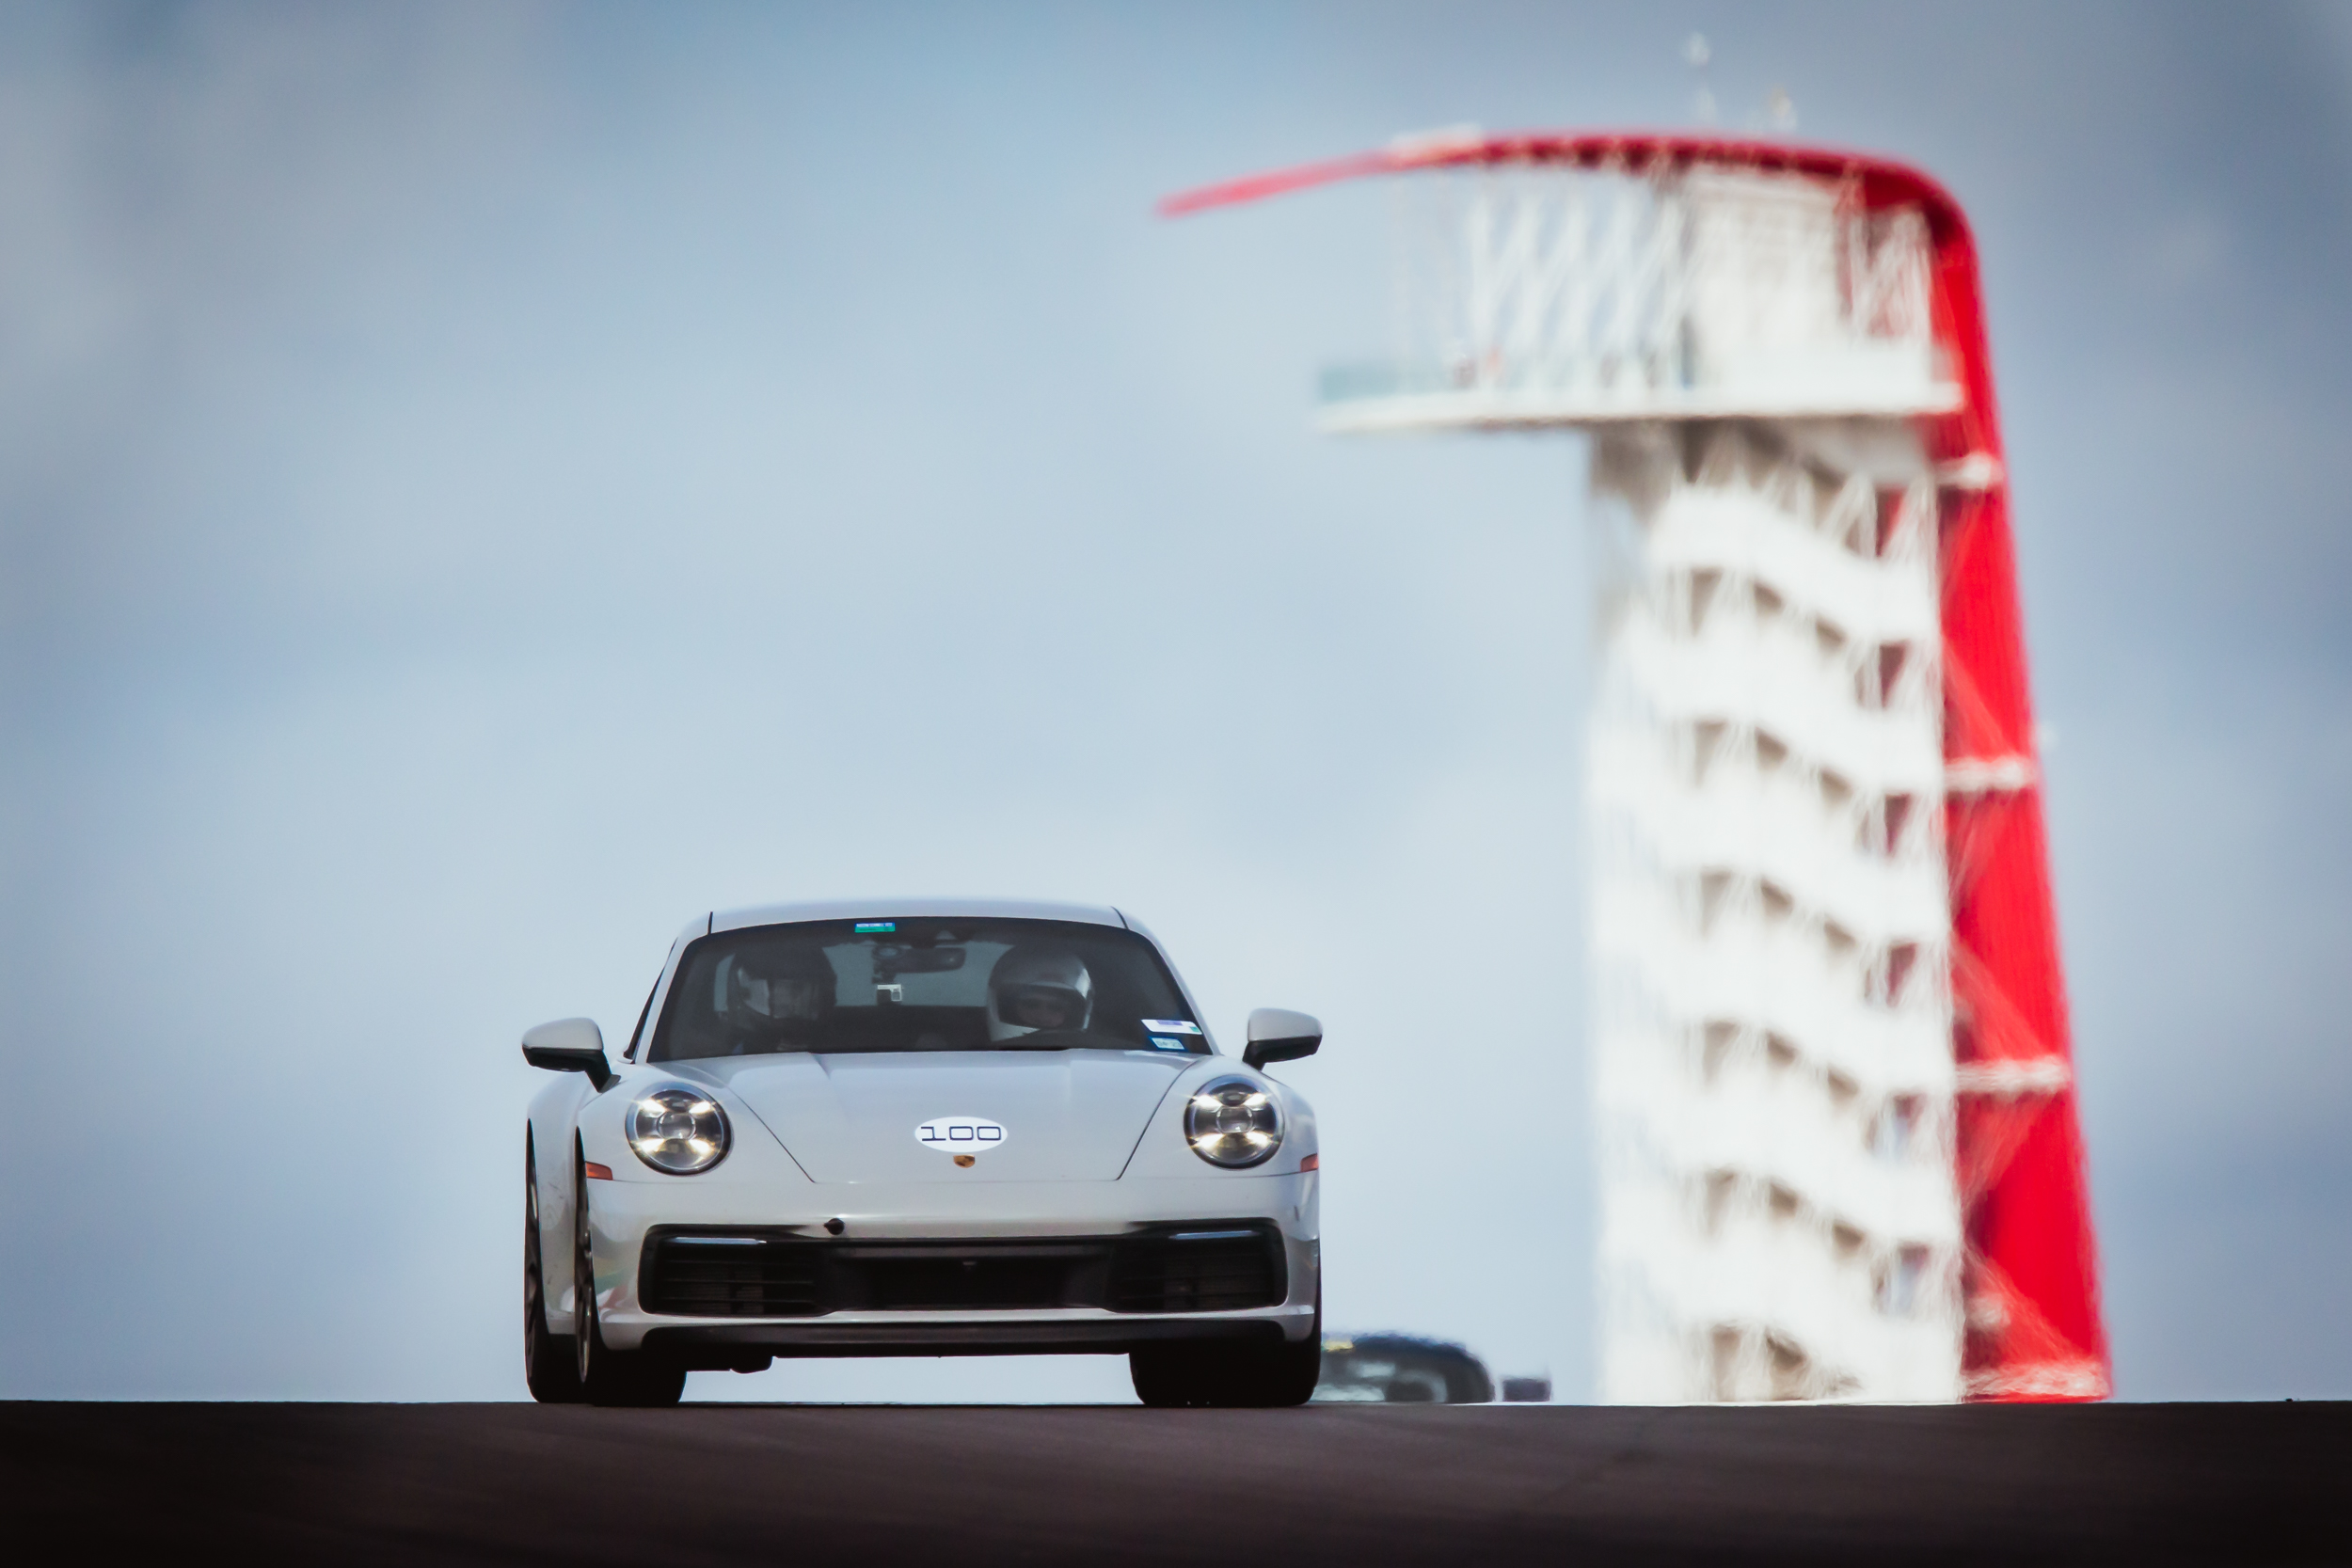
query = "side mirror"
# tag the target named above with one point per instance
(1278, 1035)
(570, 1045)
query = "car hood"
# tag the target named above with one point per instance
(1068, 1116)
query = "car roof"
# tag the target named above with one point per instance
(915, 909)
(1394, 1342)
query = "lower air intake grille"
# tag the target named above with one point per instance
(978, 1282)
(703, 1277)
(1211, 1268)
(1206, 1266)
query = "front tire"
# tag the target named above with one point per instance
(608, 1376)
(1210, 1375)
(1168, 1377)
(1290, 1372)
(550, 1366)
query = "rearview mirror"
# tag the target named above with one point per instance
(1278, 1035)
(570, 1045)
(891, 959)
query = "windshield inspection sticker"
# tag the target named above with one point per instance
(959, 1134)
(1171, 1026)
(1163, 1042)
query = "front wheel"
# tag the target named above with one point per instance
(608, 1376)
(1222, 1377)
(550, 1366)
(1291, 1371)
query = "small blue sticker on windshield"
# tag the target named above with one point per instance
(1171, 1026)
(863, 926)
(1161, 1042)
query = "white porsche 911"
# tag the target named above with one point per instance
(926, 1129)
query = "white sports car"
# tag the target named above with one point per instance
(926, 1129)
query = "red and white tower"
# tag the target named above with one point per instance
(1838, 1143)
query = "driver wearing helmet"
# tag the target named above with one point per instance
(775, 998)
(1038, 988)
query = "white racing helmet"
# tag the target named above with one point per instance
(1035, 988)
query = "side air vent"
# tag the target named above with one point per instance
(1199, 1269)
(729, 1276)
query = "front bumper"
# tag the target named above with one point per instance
(717, 1347)
(1084, 1236)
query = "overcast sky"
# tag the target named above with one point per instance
(480, 484)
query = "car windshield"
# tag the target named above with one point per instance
(923, 985)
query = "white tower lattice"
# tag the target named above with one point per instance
(1832, 1067)
(1773, 1066)
(1772, 1040)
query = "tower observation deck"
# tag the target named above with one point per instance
(1838, 1139)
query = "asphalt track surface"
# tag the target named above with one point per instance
(1099, 1485)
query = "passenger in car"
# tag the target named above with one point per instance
(1035, 987)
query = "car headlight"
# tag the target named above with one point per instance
(1233, 1122)
(679, 1131)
